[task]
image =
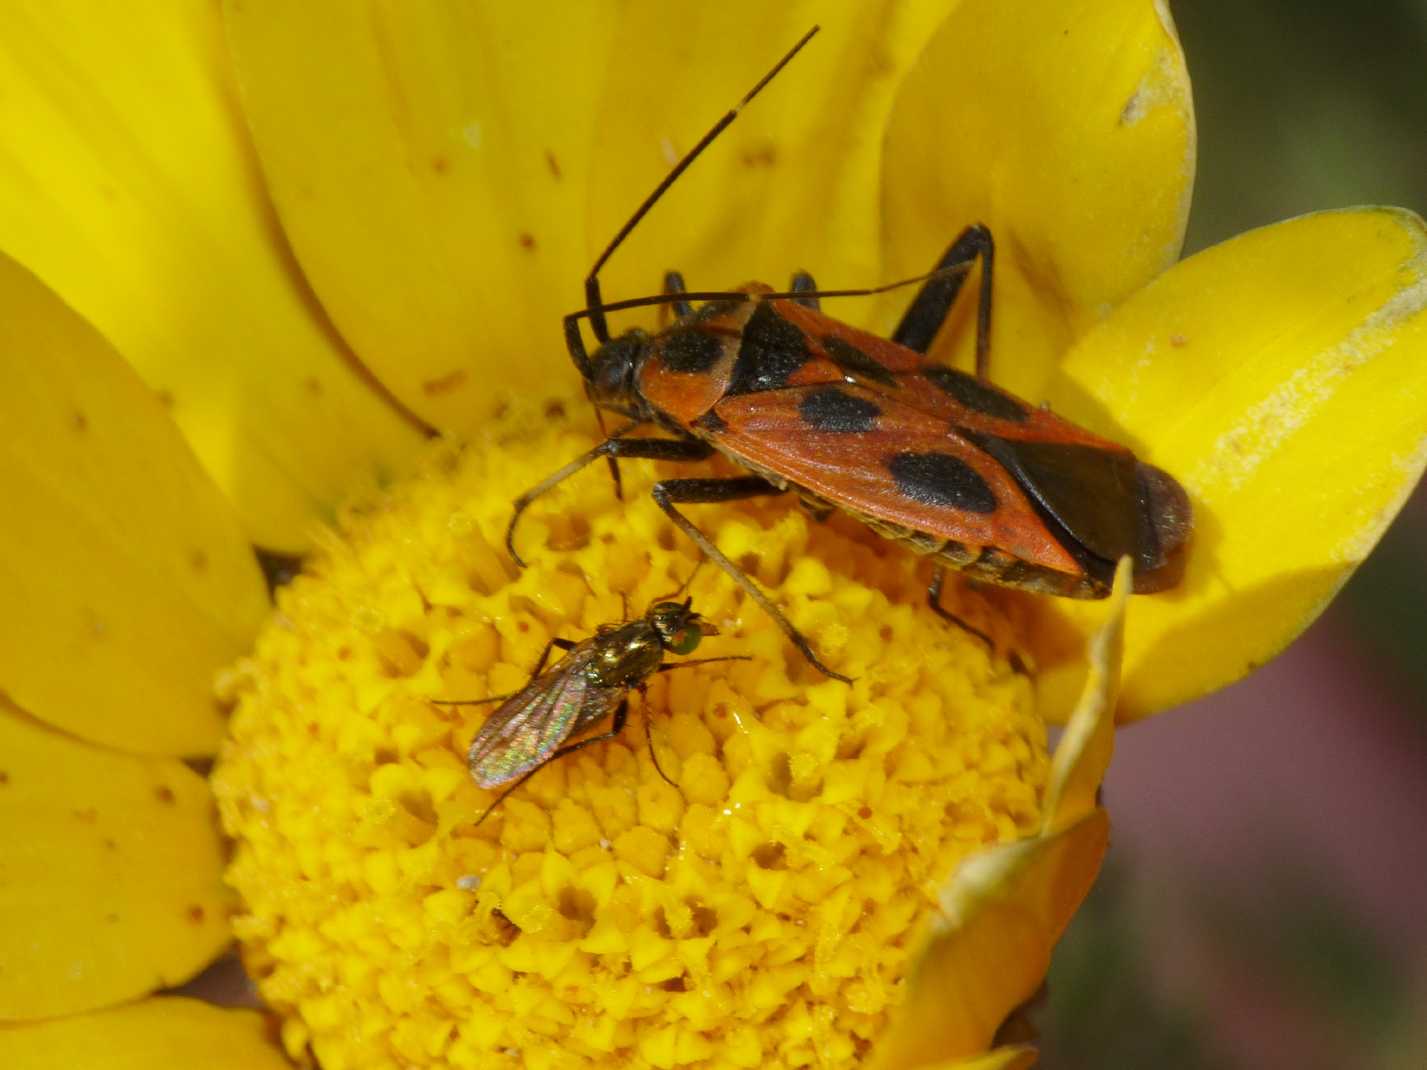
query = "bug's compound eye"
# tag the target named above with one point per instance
(686, 640)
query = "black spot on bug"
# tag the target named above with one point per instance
(855, 362)
(1088, 493)
(771, 351)
(976, 395)
(830, 409)
(942, 479)
(712, 422)
(690, 351)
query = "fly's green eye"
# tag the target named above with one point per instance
(685, 640)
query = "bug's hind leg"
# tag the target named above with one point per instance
(934, 601)
(928, 310)
(695, 491)
(803, 283)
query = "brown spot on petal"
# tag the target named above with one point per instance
(527, 240)
(164, 794)
(196, 914)
(440, 164)
(80, 421)
(445, 384)
(553, 164)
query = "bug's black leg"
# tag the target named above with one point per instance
(928, 310)
(934, 601)
(803, 283)
(697, 491)
(674, 284)
(563, 644)
(658, 449)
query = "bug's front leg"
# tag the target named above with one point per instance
(702, 491)
(928, 311)
(657, 449)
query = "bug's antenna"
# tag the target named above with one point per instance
(592, 282)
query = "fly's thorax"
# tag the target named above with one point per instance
(627, 655)
(613, 368)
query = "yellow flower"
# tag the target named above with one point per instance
(313, 230)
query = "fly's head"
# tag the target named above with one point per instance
(679, 628)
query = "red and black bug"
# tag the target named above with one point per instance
(937, 458)
(532, 726)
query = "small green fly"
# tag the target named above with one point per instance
(592, 681)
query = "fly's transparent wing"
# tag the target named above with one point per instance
(530, 726)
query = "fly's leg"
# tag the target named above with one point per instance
(621, 715)
(670, 667)
(929, 309)
(658, 449)
(803, 283)
(564, 644)
(699, 491)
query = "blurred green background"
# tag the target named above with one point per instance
(1265, 903)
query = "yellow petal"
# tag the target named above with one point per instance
(125, 580)
(793, 184)
(1067, 127)
(157, 1034)
(127, 185)
(1005, 910)
(111, 876)
(429, 163)
(1282, 377)
(1082, 757)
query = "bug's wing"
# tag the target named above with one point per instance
(840, 353)
(529, 726)
(888, 461)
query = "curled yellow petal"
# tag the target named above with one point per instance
(125, 580)
(128, 186)
(157, 1034)
(1282, 377)
(430, 164)
(1067, 128)
(1082, 757)
(1005, 908)
(111, 877)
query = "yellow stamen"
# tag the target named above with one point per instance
(762, 913)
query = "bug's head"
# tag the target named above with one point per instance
(680, 628)
(610, 384)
